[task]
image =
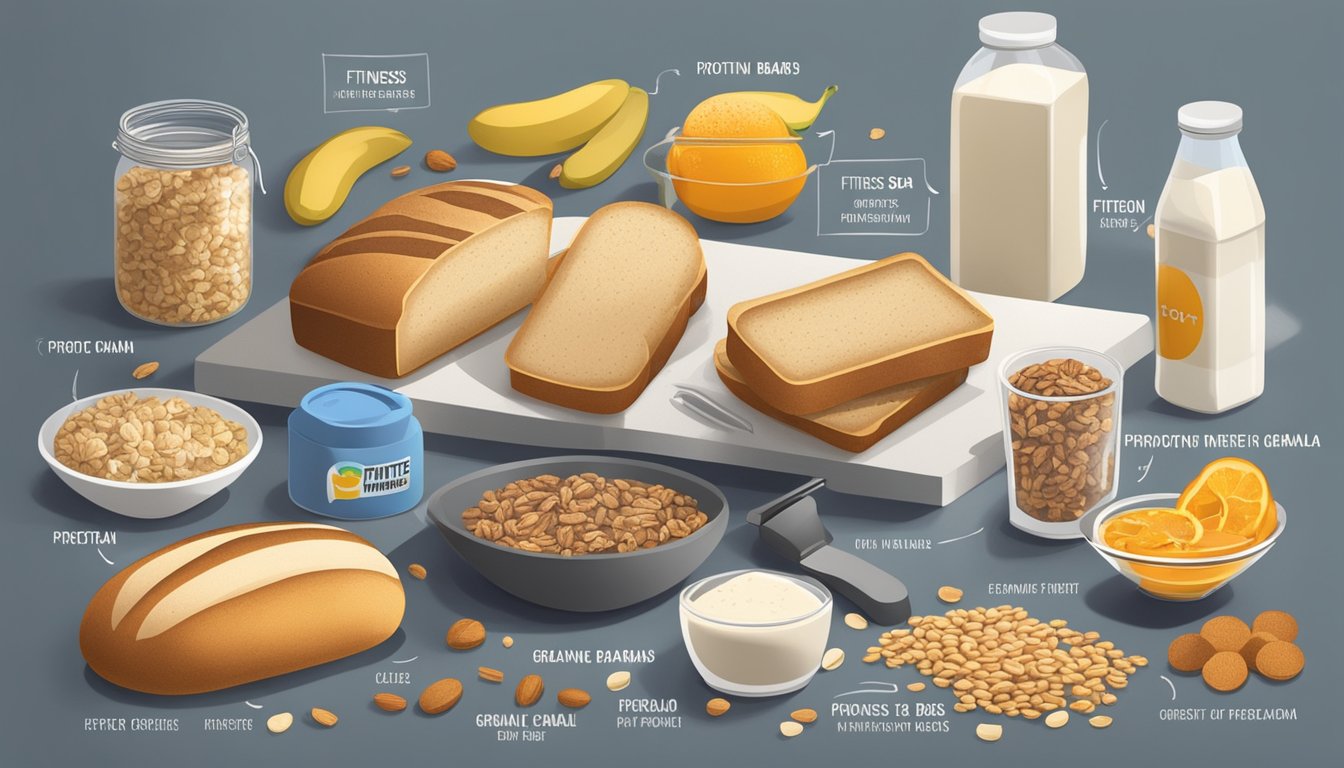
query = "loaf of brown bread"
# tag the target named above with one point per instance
(422, 274)
(239, 604)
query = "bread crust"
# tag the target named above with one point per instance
(853, 441)
(802, 397)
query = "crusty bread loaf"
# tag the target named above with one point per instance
(613, 311)
(858, 424)
(828, 342)
(239, 604)
(422, 274)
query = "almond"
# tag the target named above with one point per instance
(438, 160)
(465, 634)
(389, 702)
(507, 642)
(805, 715)
(618, 681)
(441, 696)
(324, 717)
(574, 698)
(556, 171)
(279, 723)
(145, 370)
(400, 170)
(490, 674)
(717, 707)
(529, 691)
(417, 570)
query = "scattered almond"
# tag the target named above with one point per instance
(438, 160)
(1152, 231)
(855, 621)
(507, 642)
(915, 687)
(717, 707)
(490, 674)
(877, 134)
(574, 698)
(556, 171)
(988, 732)
(389, 702)
(145, 370)
(279, 723)
(618, 681)
(441, 696)
(1057, 719)
(324, 717)
(949, 594)
(465, 634)
(832, 659)
(789, 728)
(529, 691)
(400, 170)
(418, 571)
(804, 715)
(1100, 721)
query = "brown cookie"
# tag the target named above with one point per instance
(1253, 646)
(1226, 633)
(1280, 660)
(1277, 623)
(1188, 652)
(1225, 671)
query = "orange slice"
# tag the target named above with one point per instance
(1231, 495)
(1153, 531)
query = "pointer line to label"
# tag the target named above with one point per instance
(967, 536)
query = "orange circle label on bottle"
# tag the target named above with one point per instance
(1180, 314)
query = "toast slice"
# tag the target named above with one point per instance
(885, 323)
(614, 309)
(859, 424)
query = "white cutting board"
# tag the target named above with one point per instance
(933, 459)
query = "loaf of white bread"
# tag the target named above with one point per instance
(422, 274)
(239, 604)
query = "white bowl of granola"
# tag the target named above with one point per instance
(149, 452)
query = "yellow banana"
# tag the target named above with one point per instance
(320, 182)
(546, 126)
(608, 150)
(799, 115)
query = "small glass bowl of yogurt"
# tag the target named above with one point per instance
(756, 632)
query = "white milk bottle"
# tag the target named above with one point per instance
(1210, 240)
(1019, 162)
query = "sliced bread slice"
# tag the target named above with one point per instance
(885, 323)
(613, 311)
(858, 424)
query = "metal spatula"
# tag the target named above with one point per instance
(791, 526)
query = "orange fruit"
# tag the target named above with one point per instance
(1231, 495)
(1152, 531)
(747, 182)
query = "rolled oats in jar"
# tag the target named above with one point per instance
(183, 212)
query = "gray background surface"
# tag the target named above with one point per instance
(71, 69)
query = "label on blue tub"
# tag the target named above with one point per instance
(349, 480)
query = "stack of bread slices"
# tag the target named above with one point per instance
(852, 357)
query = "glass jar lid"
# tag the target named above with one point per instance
(183, 133)
(1016, 30)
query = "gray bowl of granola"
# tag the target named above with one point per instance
(581, 533)
(149, 452)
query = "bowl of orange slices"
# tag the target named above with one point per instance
(1186, 546)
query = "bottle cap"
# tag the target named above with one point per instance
(352, 414)
(1209, 118)
(1017, 29)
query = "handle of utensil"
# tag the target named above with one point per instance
(879, 595)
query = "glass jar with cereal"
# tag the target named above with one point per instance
(182, 202)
